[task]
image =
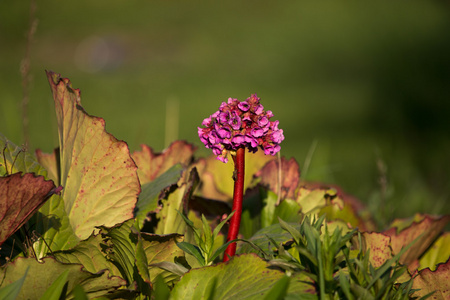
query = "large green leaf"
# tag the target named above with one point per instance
(52, 224)
(98, 175)
(130, 251)
(20, 197)
(152, 192)
(243, 277)
(90, 253)
(41, 276)
(152, 165)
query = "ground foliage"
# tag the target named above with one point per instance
(96, 221)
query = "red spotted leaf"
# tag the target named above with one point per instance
(429, 227)
(151, 164)
(438, 282)
(288, 175)
(20, 197)
(99, 177)
(379, 246)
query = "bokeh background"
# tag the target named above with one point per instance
(361, 89)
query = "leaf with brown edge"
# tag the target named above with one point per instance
(316, 198)
(438, 282)
(289, 176)
(429, 227)
(379, 246)
(20, 197)
(151, 164)
(208, 187)
(99, 177)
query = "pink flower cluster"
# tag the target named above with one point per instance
(241, 124)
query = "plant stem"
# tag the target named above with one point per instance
(238, 195)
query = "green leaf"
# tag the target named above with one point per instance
(52, 223)
(220, 250)
(171, 267)
(45, 272)
(78, 293)
(123, 245)
(14, 159)
(192, 250)
(142, 265)
(243, 277)
(20, 197)
(89, 253)
(279, 290)
(345, 285)
(196, 231)
(169, 219)
(311, 200)
(438, 253)
(160, 249)
(261, 239)
(294, 232)
(98, 175)
(160, 289)
(11, 291)
(219, 227)
(208, 239)
(268, 216)
(54, 292)
(151, 191)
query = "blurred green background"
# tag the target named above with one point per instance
(361, 89)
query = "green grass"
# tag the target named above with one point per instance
(367, 81)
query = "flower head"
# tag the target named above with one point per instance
(241, 125)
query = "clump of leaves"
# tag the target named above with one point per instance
(205, 239)
(96, 221)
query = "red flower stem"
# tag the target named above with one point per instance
(238, 195)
